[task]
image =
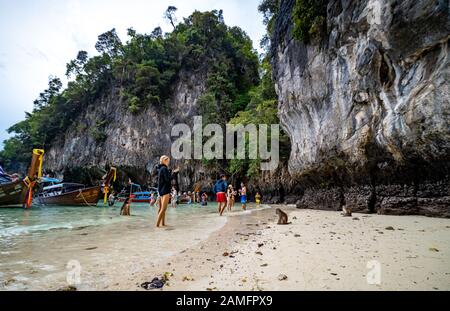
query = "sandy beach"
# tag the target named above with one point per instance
(319, 250)
(243, 250)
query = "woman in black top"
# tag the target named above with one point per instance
(164, 186)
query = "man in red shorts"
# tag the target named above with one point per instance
(220, 188)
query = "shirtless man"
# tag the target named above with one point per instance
(243, 193)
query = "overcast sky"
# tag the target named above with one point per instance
(38, 38)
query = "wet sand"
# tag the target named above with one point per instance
(319, 250)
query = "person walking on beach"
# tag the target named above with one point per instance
(243, 193)
(174, 197)
(152, 199)
(220, 189)
(230, 192)
(258, 199)
(164, 186)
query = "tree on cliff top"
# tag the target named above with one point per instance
(170, 15)
(142, 72)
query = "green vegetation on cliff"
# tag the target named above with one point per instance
(309, 18)
(142, 72)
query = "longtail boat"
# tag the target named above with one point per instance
(71, 194)
(138, 196)
(19, 193)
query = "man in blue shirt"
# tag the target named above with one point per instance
(220, 189)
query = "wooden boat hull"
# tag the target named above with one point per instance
(12, 194)
(82, 197)
(135, 200)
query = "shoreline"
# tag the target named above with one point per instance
(243, 250)
(320, 250)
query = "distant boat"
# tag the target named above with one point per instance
(69, 194)
(137, 197)
(72, 194)
(19, 193)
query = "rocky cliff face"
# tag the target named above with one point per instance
(133, 142)
(367, 106)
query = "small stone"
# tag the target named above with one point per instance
(390, 228)
(282, 277)
(433, 249)
(226, 254)
(68, 289)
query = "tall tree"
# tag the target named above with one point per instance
(54, 86)
(170, 15)
(75, 67)
(109, 43)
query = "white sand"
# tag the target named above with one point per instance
(320, 250)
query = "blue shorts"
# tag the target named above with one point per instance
(243, 199)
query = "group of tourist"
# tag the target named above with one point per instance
(225, 193)
(177, 197)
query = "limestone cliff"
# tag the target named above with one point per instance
(133, 142)
(367, 106)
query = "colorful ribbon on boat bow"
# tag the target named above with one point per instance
(31, 182)
(106, 186)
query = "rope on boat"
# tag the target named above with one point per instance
(81, 193)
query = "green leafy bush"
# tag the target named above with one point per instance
(309, 17)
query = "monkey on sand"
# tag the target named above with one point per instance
(283, 217)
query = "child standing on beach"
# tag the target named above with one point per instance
(230, 197)
(204, 199)
(174, 197)
(258, 199)
(243, 193)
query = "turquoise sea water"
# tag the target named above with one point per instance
(38, 221)
(37, 246)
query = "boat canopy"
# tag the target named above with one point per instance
(64, 185)
(144, 193)
(50, 180)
